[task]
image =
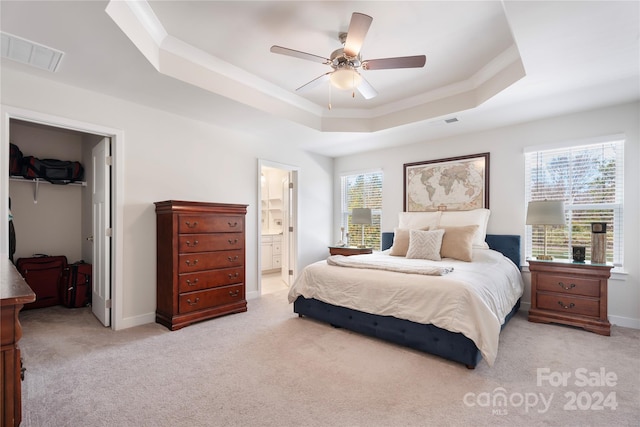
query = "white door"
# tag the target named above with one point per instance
(288, 229)
(101, 218)
(286, 223)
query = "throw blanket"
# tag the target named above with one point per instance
(391, 264)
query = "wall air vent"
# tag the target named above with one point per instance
(30, 53)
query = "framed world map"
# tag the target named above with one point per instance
(455, 183)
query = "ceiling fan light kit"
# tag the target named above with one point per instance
(345, 78)
(346, 61)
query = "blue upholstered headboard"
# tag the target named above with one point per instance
(507, 244)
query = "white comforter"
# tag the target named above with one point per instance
(473, 299)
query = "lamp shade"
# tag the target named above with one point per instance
(545, 212)
(361, 216)
(345, 78)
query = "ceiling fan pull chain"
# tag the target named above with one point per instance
(329, 98)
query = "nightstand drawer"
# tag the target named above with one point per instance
(568, 304)
(569, 285)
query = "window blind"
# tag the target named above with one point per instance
(362, 190)
(589, 179)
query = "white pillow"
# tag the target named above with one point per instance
(425, 244)
(479, 217)
(418, 220)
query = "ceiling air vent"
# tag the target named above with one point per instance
(30, 53)
(451, 120)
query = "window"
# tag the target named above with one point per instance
(589, 179)
(362, 190)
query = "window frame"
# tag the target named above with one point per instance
(617, 207)
(376, 211)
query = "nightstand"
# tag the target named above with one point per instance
(349, 250)
(570, 293)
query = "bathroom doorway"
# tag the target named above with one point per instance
(277, 226)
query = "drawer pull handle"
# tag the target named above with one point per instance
(565, 287)
(192, 245)
(233, 224)
(561, 304)
(233, 276)
(231, 259)
(234, 293)
(190, 283)
(193, 303)
(233, 241)
(195, 261)
(191, 225)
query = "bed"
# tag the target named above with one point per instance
(467, 336)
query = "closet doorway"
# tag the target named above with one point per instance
(277, 225)
(91, 205)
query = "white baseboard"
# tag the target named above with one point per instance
(143, 319)
(625, 322)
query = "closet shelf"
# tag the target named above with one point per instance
(37, 181)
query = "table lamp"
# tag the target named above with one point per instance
(361, 216)
(546, 213)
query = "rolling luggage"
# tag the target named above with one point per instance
(77, 292)
(44, 274)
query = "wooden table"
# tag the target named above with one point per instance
(14, 293)
(570, 293)
(349, 250)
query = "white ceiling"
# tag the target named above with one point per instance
(489, 63)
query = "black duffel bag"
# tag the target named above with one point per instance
(52, 170)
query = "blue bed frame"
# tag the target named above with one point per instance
(428, 338)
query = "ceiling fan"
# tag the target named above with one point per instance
(347, 61)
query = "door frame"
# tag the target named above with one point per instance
(293, 173)
(117, 191)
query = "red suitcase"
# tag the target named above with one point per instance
(43, 274)
(77, 292)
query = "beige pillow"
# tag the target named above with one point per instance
(457, 242)
(401, 241)
(479, 217)
(425, 244)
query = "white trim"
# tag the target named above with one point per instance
(576, 143)
(296, 235)
(117, 189)
(361, 172)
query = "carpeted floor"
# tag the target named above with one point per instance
(268, 367)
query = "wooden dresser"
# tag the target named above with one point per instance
(14, 293)
(570, 293)
(201, 261)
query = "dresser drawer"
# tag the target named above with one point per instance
(210, 224)
(209, 242)
(569, 285)
(563, 303)
(188, 263)
(194, 301)
(210, 279)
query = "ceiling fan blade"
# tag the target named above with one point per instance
(400, 62)
(358, 28)
(298, 54)
(315, 82)
(366, 90)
